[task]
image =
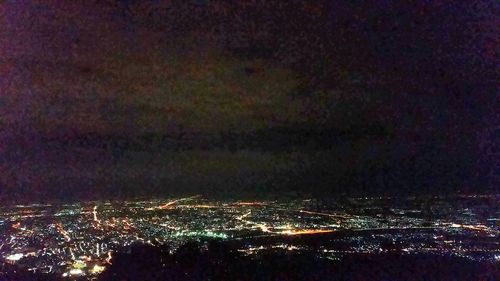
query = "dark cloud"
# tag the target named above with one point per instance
(240, 98)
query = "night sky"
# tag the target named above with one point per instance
(117, 99)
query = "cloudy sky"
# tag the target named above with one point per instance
(245, 98)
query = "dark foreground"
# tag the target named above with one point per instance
(222, 261)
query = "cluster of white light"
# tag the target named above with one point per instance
(73, 272)
(14, 257)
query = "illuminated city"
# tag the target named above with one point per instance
(249, 140)
(79, 239)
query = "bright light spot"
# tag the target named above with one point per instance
(251, 203)
(305, 232)
(79, 265)
(97, 269)
(263, 227)
(94, 212)
(14, 257)
(110, 256)
(86, 258)
(75, 271)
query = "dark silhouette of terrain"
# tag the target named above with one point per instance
(221, 261)
(218, 261)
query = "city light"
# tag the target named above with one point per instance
(97, 269)
(75, 271)
(14, 257)
(72, 242)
